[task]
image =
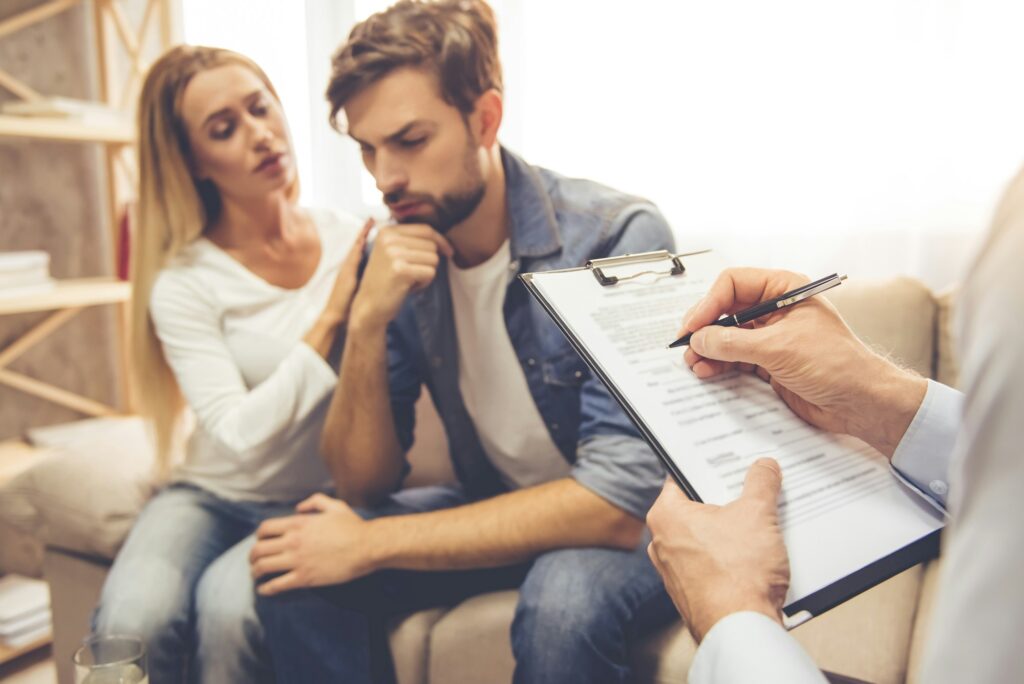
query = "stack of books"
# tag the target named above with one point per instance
(24, 273)
(24, 611)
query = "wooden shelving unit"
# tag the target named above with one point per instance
(67, 294)
(7, 654)
(64, 129)
(119, 83)
(66, 299)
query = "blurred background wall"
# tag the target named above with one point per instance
(871, 138)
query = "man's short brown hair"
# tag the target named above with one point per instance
(455, 39)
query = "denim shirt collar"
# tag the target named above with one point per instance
(532, 226)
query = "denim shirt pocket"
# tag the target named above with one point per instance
(566, 369)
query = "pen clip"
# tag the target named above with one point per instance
(788, 298)
(811, 289)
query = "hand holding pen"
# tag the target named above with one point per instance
(809, 355)
(771, 305)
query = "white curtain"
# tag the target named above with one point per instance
(868, 137)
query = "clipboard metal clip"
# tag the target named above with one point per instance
(596, 265)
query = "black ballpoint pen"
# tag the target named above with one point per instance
(774, 304)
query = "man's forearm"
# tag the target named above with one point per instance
(359, 441)
(504, 530)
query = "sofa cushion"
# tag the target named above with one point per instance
(922, 621)
(470, 644)
(947, 369)
(409, 639)
(897, 317)
(85, 494)
(428, 458)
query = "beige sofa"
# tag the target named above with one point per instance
(80, 506)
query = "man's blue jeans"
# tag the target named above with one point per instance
(182, 583)
(579, 610)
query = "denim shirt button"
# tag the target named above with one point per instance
(554, 426)
(531, 362)
(513, 266)
(578, 374)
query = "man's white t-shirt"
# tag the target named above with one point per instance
(494, 389)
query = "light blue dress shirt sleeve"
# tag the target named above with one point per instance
(923, 456)
(751, 647)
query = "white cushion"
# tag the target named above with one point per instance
(85, 494)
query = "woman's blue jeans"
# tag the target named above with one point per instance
(181, 582)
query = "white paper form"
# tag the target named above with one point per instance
(840, 508)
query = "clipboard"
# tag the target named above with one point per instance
(663, 264)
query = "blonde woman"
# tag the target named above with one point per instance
(240, 296)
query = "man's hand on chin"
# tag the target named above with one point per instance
(327, 543)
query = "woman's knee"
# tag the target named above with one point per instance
(143, 610)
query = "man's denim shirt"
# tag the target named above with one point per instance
(554, 222)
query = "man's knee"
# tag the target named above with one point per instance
(565, 600)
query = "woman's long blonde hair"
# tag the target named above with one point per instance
(173, 210)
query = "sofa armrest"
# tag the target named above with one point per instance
(75, 584)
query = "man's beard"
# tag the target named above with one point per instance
(447, 212)
(453, 207)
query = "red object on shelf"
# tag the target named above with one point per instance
(124, 244)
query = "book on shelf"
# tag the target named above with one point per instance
(28, 260)
(27, 629)
(24, 610)
(24, 273)
(27, 637)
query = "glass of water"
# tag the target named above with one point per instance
(111, 659)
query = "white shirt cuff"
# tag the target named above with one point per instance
(922, 457)
(751, 647)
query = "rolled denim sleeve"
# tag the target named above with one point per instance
(620, 469)
(922, 457)
(612, 459)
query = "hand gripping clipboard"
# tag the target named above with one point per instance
(605, 275)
